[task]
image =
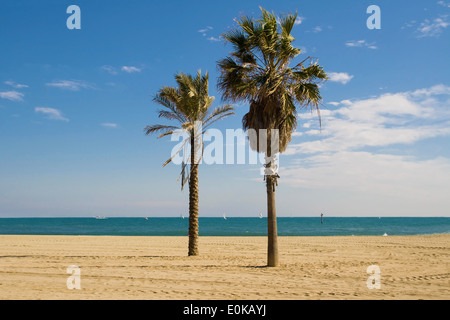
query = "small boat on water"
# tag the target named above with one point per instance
(224, 217)
(100, 217)
(260, 215)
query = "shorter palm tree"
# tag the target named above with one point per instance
(189, 105)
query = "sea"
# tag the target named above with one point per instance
(231, 226)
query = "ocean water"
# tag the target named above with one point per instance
(224, 227)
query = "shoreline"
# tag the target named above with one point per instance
(227, 236)
(228, 268)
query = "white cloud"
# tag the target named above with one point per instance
(213, 39)
(433, 28)
(439, 89)
(341, 77)
(110, 69)
(114, 71)
(299, 20)
(400, 118)
(317, 29)
(11, 95)
(130, 69)
(346, 102)
(366, 160)
(401, 177)
(52, 114)
(409, 24)
(73, 85)
(361, 44)
(205, 30)
(16, 85)
(109, 125)
(444, 4)
(430, 27)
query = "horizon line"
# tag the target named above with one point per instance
(219, 217)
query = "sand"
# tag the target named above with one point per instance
(412, 267)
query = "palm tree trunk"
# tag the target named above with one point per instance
(272, 236)
(272, 248)
(193, 202)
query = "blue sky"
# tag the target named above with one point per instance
(73, 105)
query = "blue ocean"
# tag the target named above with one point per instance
(332, 226)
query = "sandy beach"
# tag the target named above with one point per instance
(412, 267)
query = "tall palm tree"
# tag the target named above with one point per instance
(258, 72)
(188, 105)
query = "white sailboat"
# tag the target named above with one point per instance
(260, 215)
(182, 216)
(224, 217)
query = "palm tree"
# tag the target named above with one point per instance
(188, 105)
(258, 72)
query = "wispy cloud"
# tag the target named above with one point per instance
(409, 24)
(410, 186)
(213, 39)
(73, 85)
(11, 95)
(392, 118)
(16, 85)
(299, 20)
(203, 31)
(432, 28)
(110, 69)
(361, 44)
(365, 146)
(109, 125)
(52, 114)
(436, 90)
(131, 69)
(317, 29)
(127, 69)
(341, 77)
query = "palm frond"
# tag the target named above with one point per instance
(287, 23)
(186, 141)
(258, 72)
(160, 128)
(189, 104)
(217, 114)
